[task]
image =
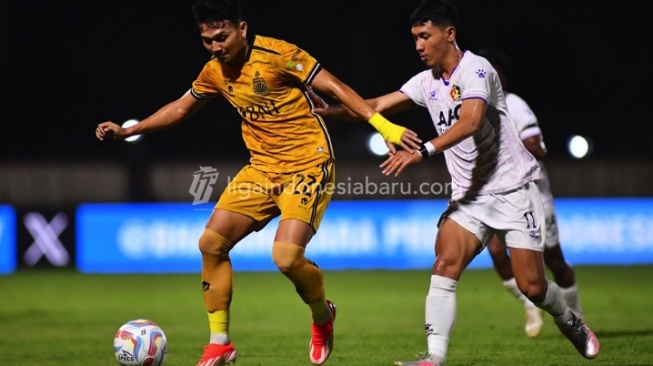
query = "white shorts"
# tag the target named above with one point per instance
(517, 215)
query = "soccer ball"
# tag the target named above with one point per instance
(140, 342)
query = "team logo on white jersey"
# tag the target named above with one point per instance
(455, 93)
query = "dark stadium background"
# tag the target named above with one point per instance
(70, 64)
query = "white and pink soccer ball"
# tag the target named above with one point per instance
(140, 342)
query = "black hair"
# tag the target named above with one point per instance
(497, 58)
(442, 13)
(211, 11)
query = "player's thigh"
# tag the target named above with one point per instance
(305, 198)
(455, 247)
(244, 206)
(233, 226)
(294, 231)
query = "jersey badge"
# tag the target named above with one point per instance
(455, 93)
(259, 85)
(230, 87)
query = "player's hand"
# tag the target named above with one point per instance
(398, 161)
(410, 141)
(320, 106)
(109, 130)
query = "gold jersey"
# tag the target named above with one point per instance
(269, 92)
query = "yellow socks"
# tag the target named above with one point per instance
(305, 275)
(217, 283)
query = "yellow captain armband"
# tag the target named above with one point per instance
(390, 131)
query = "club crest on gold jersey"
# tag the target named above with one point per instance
(259, 85)
(230, 87)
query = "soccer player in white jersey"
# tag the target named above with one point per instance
(493, 178)
(531, 135)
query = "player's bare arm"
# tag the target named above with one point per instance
(471, 115)
(535, 146)
(327, 83)
(388, 105)
(166, 117)
(391, 103)
(321, 107)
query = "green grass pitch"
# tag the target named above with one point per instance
(61, 317)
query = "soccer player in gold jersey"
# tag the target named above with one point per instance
(291, 165)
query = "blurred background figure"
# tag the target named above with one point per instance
(531, 135)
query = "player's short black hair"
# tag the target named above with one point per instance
(211, 11)
(442, 13)
(497, 58)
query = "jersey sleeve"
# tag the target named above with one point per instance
(293, 62)
(203, 87)
(523, 115)
(414, 87)
(477, 83)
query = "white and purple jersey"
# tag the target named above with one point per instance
(528, 126)
(493, 160)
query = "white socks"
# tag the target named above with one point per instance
(555, 304)
(440, 314)
(219, 339)
(570, 294)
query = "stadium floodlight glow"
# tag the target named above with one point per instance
(377, 145)
(130, 123)
(578, 146)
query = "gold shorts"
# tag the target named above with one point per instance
(263, 196)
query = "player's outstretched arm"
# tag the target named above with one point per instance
(354, 105)
(166, 117)
(337, 110)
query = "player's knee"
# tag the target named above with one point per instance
(212, 243)
(447, 267)
(452, 260)
(287, 256)
(534, 291)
